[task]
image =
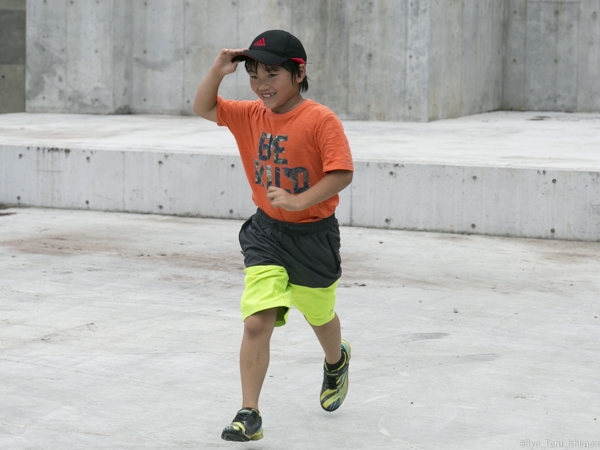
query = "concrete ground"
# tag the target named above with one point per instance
(121, 331)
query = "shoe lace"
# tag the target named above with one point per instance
(243, 415)
(332, 381)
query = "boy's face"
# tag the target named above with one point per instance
(276, 87)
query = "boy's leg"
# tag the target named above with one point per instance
(337, 360)
(330, 338)
(254, 354)
(254, 362)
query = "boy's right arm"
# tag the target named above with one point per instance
(205, 103)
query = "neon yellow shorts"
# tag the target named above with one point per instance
(269, 287)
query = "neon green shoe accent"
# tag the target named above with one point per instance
(335, 383)
(246, 426)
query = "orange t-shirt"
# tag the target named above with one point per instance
(292, 151)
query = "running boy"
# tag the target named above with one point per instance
(297, 158)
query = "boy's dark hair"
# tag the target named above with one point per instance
(291, 66)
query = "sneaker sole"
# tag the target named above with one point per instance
(238, 436)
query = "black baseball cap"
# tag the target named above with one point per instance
(274, 47)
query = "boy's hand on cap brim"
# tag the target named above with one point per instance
(223, 64)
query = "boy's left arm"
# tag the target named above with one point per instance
(332, 183)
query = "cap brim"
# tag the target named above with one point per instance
(261, 56)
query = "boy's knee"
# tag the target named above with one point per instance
(261, 322)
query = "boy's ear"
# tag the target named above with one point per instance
(302, 69)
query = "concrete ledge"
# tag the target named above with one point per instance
(498, 201)
(183, 184)
(509, 174)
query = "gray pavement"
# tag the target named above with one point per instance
(121, 331)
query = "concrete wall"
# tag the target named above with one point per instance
(413, 60)
(131, 181)
(482, 200)
(377, 60)
(79, 56)
(552, 56)
(12, 56)
(523, 202)
(465, 57)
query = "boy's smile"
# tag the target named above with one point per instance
(276, 88)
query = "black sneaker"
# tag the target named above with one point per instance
(247, 426)
(335, 383)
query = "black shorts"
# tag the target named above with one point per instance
(309, 252)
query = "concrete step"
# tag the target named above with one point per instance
(522, 174)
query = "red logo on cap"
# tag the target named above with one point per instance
(260, 43)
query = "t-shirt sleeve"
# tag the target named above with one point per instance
(231, 113)
(334, 146)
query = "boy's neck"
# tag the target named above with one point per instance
(290, 105)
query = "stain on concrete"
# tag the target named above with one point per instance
(69, 245)
(46, 63)
(70, 334)
(66, 151)
(483, 357)
(122, 110)
(424, 336)
(162, 64)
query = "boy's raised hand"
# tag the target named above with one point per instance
(205, 103)
(223, 64)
